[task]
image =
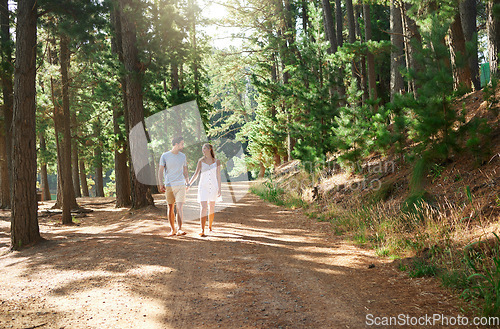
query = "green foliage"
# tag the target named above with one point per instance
(361, 128)
(434, 116)
(360, 131)
(436, 171)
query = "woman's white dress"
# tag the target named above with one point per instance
(208, 187)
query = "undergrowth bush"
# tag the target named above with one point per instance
(485, 281)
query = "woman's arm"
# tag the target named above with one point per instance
(218, 178)
(196, 173)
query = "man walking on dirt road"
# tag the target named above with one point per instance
(173, 178)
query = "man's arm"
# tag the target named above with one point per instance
(161, 186)
(186, 174)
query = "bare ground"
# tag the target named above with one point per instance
(262, 267)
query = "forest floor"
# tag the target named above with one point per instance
(263, 266)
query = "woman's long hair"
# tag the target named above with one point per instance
(211, 149)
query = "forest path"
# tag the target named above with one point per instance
(263, 267)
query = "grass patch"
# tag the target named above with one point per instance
(455, 279)
(421, 268)
(272, 192)
(382, 252)
(485, 280)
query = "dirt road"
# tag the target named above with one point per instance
(262, 267)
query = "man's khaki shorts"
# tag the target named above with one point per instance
(175, 194)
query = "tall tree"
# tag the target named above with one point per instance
(350, 21)
(83, 178)
(397, 51)
(24, 222)
(468, 14)
(361, 67)
(370, 58)
(411, 36)
(122, 172)
(98, 165)
(121, 168)
(60, 100)
(8, 104)
(461, 71)
(338, 21)
(329, 26)
(74, 155)
(351, 24)
(43, 169)
(493, 36)
(67, 179)
(141, 194)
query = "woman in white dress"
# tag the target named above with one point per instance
(209, 188)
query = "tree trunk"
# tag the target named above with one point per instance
(8, 105)
(461, 71)
(194, 66)
(4, 172)
(350, 21)
(74, 157)
(69, 201)
(468, 14)
(262, 170)
(338, 20)
(141, 194)
(24, 220)
(83, 179)
(397, 52)
(329, 26)
(43, 171)
(493, 38)
(370, 58)
(59, 189)
(411, 35)
(99, 180)
(332, 39)
(174, 77)
(305, 17)
(355, 66)
(122, 177)
(122, 171)
(361, 65)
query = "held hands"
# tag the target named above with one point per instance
(161, 188)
